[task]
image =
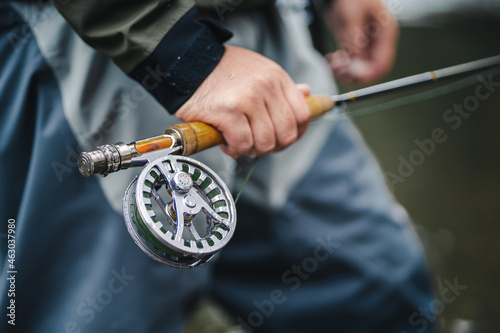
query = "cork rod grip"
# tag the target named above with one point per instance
(319, 104)
(198, 136)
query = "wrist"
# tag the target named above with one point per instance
(182, 60)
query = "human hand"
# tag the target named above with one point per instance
(367, 34)
(252, 101)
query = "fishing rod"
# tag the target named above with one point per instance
(403, 83)
(193, 137)
(188, 223)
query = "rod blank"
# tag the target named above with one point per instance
(417, 79)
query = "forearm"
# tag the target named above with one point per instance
(182, 61)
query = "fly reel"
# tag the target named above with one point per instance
(179, 212)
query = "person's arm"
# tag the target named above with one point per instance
(183, 62)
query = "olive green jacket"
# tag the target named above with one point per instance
(162, 44)
(129, 30)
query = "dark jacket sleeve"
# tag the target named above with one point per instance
(159, 43)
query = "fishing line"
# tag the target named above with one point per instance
(247, 178)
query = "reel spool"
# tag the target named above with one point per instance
(179, 212)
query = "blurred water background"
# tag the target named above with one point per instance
(453, 196)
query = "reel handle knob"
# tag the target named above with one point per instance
(197, 136)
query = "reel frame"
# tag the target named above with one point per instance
(176, 239)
